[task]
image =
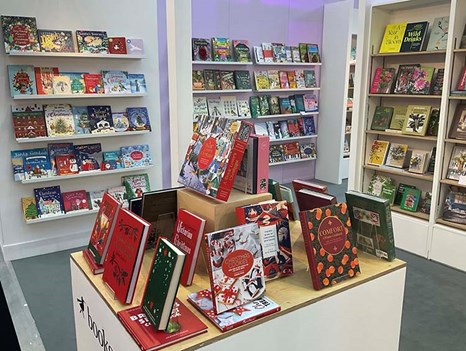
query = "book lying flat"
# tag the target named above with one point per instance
(308, 199)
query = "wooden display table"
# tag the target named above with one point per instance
(363, 313)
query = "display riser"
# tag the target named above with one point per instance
(411, 234)
(448, 246)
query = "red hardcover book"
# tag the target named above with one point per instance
(183, 325)
(328, 240)
(75, 200)
(309, 199)
(28, 121)
(117, 45)
(44, 79)
(299, 184)
(187, 236)
(462, 81)
(66, 164)
(124, 256)
(284, 83)
(103, 228)
(95, 268)
(383, 81)
(262, 178)
(93, 83)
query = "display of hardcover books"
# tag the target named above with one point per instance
(28, 120)
(19, 33)
(458, 124)
(117, 45)
(92, 42)
(383, 80)
(414, 36)
(202, 50)
(439, 34)
(454, 208)
(457, 165)
(138, 118)
(382, 118)
(228, 320)
(49, 201)
(22, 80)
(378, 152)
(393, 37)
(116, 82)
(137, 82)
(417, 120)
(398, 156)
(55, 40)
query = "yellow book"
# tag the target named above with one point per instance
(393, 37)
(29, 208)
(378, 152)
(262, 80)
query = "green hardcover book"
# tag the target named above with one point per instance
(162, 283)
(293, 104)
(242, 80)
(241, 51)
(264, 105)
(371, 221)
(310, 78)
(136, 185)
(410, 200)
(382, 118)
(299, 101)
(432, 127)
(210, 80)
(398, 118)
(388, 192)
(303, 52)
(254, 106)
(274, 105)
(400, 191)
(274, 189)
(376, 184)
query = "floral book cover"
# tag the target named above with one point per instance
(238, 316)
(235, 266)
(330, 249)
(124, 257)
(214, 155)
(19, 33)
(404, 78)
(383, 80)
(274, 233)
(421, 80)
(183, 325)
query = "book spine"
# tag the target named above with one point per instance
(209, 270)
(110, 234)
(240, 144)
(390, 235)
(462, 81)
(309, 251)
(262, 164)
(240, 216)
(253, 179)
(376, 81)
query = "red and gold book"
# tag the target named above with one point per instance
(66, 164)
(75, 200)
(117, 45)
(183, 325)
(187, 236)
(299, 184)
(95, 268)
(93, 83)
(124, 257)
(292, 79)
(44, 79)
(330, 249)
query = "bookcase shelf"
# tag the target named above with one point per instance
(285, 140)
(231, 91)
(406, 96)
(451, 224)
(76, 55)
(63, 216)
(221, 63)
(459, 51)
(79, 136)
(291, 161)
(391, 170)
(400, 135)
(77, 96)
(452, 182)
(287, 115)
(86, 174)
(419, 215)
(415, 53)
(288, 64)
(285, 90)
(455, 141)
(458, 97)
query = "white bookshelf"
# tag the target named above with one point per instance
(79, 137)
(75, 55)
(298, 138)
(290, 90)
(299, 160)
(62, 216)
(229, 91)
(76, 96)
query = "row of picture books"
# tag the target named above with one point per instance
(384, 153)
(255, 106)
(63, 159)
(275, 130)
(292, 151)
(408, 197)
(408, 79)
(51, 201)
(274, 79)
(411, 37)
(226, 50)
(57, 120)
(419, 120)
(30, 80)
(21, 34)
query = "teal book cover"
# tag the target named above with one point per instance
(21, 80)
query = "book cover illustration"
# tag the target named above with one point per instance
(138, 118)
(95, 198)
(93, 83)
(457, 165)
(66, 164)
(274, 79)
(417, 120)
(400, 191)
(202, 49)
(454, 208)
(236, 317)
(135, 46)
(215, 107)
(264, 107)
(162, 283)
(28, 120)
(311, 104)
(92, 42)
(61, 85)
(383, 80)
(214, 154)
(313, 53)
(137, 83)
(330, 249)
(308, 150)
(198, 80)
(227, 80)
(75, 201)
(378, 152)
(59, 119)
(229, 106)
(78, 86)
(300, 79)
(458, 124)
(235, 266)
(292, 79)
(116, 82)
(292, 151)
(210, 80)
(242, 80)
(117, 45)
(120, 194)
(393, 37)
(410, 200)
(101, 119)
(404, 79)
(439, 34)
(254, 106)
(55, 149)
(44, 79)
(221, 49)
(293, 128)
(284, 83)
(398, 118)
(258, 54)
(17, 163)
(20, 33)
(200, 108)
(29, 208)
(261, 79)
(371, 221)
(421, 79)
(120, 121)
(437, 85)
(241, 51)
(22, 80)
(111, 160)
(35, 164)
(377, 182)
(418, 162)
(49, 201)
(243, 108)
(136, 156)
(274, 234)
(414, 36)
(279, 53)
(382, 118)
(56, 40)
(89, 157)
(398, 155)
(276, 153)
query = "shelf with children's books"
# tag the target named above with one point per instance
(420, 215)
(63, 216)
(309, 64)
(221, 63)
(86, 174)
(412, 53)
(291, 161)
(230, 91)
(404, 173)
(285, 90)
(79, 137)
(76, 96)
(75, 55)
(297, 138)
(406, 96)
(401, 135)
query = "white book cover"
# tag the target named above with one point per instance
(215, 107)
(199, 107)
(229, 106)
(243, 108)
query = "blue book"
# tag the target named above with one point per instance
(17, 162)
(136, 156)
(308, 125)
(22, 80)
(138, 83)
(138, 118)
(59, 149)
(116, 82)
(82, 124)
(89, 157)
(111, 160)
(37, 164)
(101, 120)
(49, 201)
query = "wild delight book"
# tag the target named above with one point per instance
(330, 249)
(214, 155)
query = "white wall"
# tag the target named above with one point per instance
(136, 19)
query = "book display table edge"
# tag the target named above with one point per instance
(371, 302)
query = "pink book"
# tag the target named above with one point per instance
(262, 163)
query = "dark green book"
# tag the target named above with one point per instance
(264, 105)
(210, 81)
(400, 191)
(414, 36)
(274, 189)
(299, 100)
(254, 106)
(241, 51)
(382, 118)
(243, 80)
(293, 104)
(388, 192)
(410, 200)
(371, 221)
(285, 106)
(274, 105)
(162, 283)
(310, 78)
(432, 126)
(431, 166)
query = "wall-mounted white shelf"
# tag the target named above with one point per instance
(62, 216)
(455, 141)
(414, 53)
(76, 96)
(285, 115)
(79, 136)
(401, 135)
(285, 140)
(85, 174)
(76, 55)
(401, 172)
(285, 90)
(231, 91)
(222, 63)
(288, 64)
(291, 161)
(406, 96)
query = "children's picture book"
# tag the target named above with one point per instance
(292, 79)
(393, 37)
(19, 33)
(111, 160)
(242, 80)
(212, 79)
(439, 34)
(120, 194)
(313, 53)
(89, 157)
(457, 165)
(413, 39)
(241, 51)
(116, 82)
(383, 80)
(330, 247)
(56, 40)
(410, 200)
(44, 79)
(221, 49)
(202, 49)
(138, 118)
(66, 164)
(228, 320)
(214, 155)
(311, 104)
(200, 107)
(92, 42)
(93, 83)
(75, 200)
(117, 45)
(137, 83)
(22, 80)
(61, 85)
(101, 119)
(55, 149)
(136, 185)
(382, 118)
(29, 208)
(235, 266)
(17, 163)
(378, 152)
(284, 83)
(95, 198)
(120, 121)
(28, 120)
(371, 222)
(49, 201)
(136, 156)
(77, 83)
(36, 164)
(398, 155)
(135, 46)
(59, 119)
(308, 150)
(417, 120)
